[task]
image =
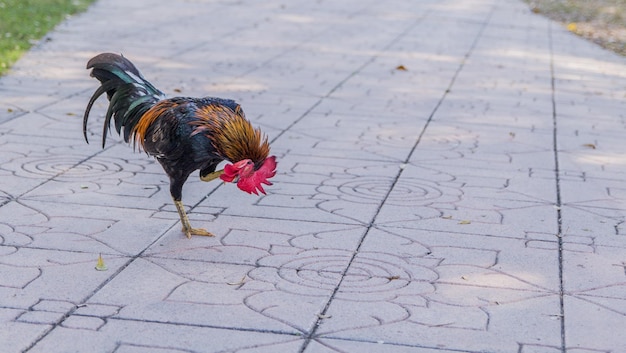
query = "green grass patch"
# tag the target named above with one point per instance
(24, 22)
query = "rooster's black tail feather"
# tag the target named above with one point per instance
(129, 93)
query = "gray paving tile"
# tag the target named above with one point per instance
(217, 295)
(254, 241)
(17, 335)
(122, 336)
(343, 345)
(50, 281)
(436, 324)
(472, 202)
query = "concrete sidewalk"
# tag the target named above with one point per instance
(474, 202)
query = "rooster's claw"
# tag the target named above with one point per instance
(197, 231)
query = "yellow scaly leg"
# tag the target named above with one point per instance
(187, 229)
(185, 221)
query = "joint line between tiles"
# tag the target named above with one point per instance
(557, 180)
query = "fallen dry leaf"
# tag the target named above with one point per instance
(465, 222)
(391, 278)
(572, 27)
(590, 145)
(401, 68)
(240, 283)
(100, 266)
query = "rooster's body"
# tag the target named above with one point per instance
(183, 134)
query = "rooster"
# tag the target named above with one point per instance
(183, 134)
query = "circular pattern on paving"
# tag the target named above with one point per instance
(366, 188)
(70, 167)
(405, 191)
(395, 139)
(318, 270)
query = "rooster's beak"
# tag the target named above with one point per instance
(212, 176)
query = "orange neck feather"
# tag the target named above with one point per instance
(231, 133)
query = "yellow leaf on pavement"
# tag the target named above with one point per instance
(572, 27)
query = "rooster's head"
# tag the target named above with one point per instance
(250, 176)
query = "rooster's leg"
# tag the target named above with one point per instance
(212, 176)
(185, 221)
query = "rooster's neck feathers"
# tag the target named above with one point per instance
(230, 132)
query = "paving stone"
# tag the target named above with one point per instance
(17, 335)
(43, 279)
(137, 336)
(84, 323)
(338, 345)
(450, 179)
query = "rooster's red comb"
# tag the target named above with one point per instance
(253, 183)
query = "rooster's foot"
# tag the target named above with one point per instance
(197, 231)
(187, 229)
